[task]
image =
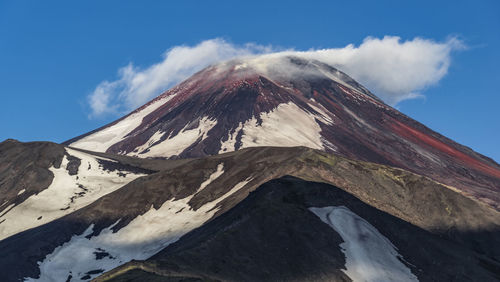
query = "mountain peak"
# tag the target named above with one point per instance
(288, 101)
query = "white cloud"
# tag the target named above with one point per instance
(135, 86)
(392, 69)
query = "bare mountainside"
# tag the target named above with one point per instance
(268, 168)
(290, 101)
(296, 230)
(174, 197)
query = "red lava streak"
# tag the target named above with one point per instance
(420, 137)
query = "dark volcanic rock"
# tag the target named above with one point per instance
(272, 236)
(424, 204)
(235, 100)
(73, 164)
(25, 166)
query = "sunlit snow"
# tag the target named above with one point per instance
(101, 140)
(174, 145)
(285, 126)
(369, 255)
(66, 194)
(230, 144)
(143, 237)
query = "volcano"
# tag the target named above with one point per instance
(268, 168)
(290, 101)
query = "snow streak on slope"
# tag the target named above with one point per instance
(324, 117)
(175, 145)
(230, 144)
(212, 177)
(66, 194)
(101, 140)
(369, 255)
(143, 237)
(285, 126)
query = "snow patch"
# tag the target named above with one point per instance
(370, 256)
(230, 144)
(358, 119)
(152, 140)
(22, 191)
(212, 177)
(143, 237)
(101, 140)
(285, 126)
(174, 145)
(66, 194)
(6, 210)
(325, 114)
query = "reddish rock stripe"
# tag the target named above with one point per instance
(420, 137)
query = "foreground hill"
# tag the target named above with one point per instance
(296, 230)
(43, 181)
(432, 226)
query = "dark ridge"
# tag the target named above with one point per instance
(117, 166)
(272, 236)
(25, 166)
(73, 164)
(403, 194)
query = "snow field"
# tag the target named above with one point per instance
(66, 194)
(101, 140)
(143, 237)
(174, 145)
(370, 256)
(285, 126)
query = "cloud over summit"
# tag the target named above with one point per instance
(394, 70)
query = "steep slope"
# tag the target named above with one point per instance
(289, 101)
(22, 164)
(42, 181)
(278, 233)
(152, 212)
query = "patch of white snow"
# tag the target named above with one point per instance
(212, 177)
(323, 112)
(152, 140)
(143, 237)
(101, 140)
(6, 210)
(285, 126)
(230, 143)
(370, 256)
(174, 145)
(66, 194)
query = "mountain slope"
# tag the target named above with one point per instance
(42, 181)
(289, 101)
(275, 234)
(151, 212)
(210, 170)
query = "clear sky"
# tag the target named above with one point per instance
(53, 54)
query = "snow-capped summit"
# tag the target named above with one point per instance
(287, 101)
(260, 101)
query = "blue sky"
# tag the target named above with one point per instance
(53, 54)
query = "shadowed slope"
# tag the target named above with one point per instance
(198, 190)
(273, 236)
